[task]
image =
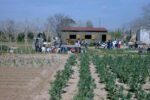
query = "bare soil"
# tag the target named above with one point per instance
(99, 92)
(27, 82)
(146, 86)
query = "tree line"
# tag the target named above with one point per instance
(129, 29)
(25, 31)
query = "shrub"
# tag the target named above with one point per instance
(30, 35)
(3, 37)
(4, 48)
(20, 37)
(42, 35)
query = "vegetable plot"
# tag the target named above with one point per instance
(62, 78)
(86, 83)
(129, 70)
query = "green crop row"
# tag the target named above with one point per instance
(107, 77)
(130, 70)
(61, 79)
(86, 83)
(133, 71)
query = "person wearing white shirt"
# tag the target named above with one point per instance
(43, 48)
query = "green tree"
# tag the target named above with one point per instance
(42, 36)
(11, 37)
(49, 39)
(118, 34)
(3, 37)
(21, 37)
(30, 35)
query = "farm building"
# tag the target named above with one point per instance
(91, 34)
(143, 36)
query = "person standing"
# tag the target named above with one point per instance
(86, 44)
(119, 44)
(108, 44)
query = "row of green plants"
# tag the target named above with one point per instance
(130, 69)
(107, 77)
(62, 78)
(86, 83)
(133, 71)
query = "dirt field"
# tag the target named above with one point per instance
(28, 82)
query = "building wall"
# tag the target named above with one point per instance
(96, 36)
(144, 36)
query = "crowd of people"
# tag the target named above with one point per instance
(41, 46)
(82, 43)
(59, 47)
(109, 44)
(78, 45)
(81, 46)
(114, 44)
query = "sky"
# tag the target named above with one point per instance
(105, 13)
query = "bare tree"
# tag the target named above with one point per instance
(50, 28)
(143, 21)
(146, 16)
(56, 23)
(34, 27)
(136, 24)
(9, 29)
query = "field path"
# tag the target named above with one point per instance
(72, 89)
(99, 92)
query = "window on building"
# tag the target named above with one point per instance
(72, 37)
(88, 36)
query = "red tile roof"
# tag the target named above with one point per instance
(84, 29)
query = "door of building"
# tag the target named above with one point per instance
(103, 38)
